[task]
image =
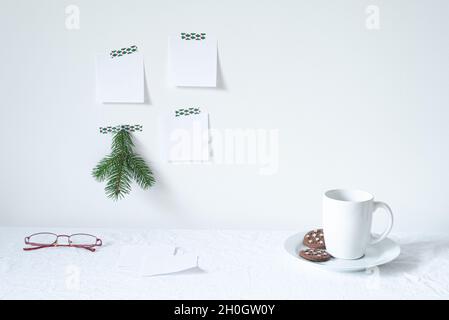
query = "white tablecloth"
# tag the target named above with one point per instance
(232, 265)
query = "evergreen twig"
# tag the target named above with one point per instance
(121, 167)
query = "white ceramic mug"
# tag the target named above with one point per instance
(347, 219)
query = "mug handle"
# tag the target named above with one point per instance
(386, 207)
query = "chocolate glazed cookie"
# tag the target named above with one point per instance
(315, 255)
(315, 239)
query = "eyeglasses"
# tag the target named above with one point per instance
(47, 239)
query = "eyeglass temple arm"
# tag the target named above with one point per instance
(49, 246)
(83, 247)
(35, 248)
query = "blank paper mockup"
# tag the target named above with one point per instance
(120, 79)
(193, 60)
(186, 136)
(155, 259)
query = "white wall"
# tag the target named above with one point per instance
(354, 108)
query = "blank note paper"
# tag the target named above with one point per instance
(186, 135)
(193, 60)
(157, 259)
(120, 79)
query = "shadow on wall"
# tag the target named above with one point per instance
(162, 196)
(221, 84)
(146, 97)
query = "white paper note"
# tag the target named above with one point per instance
(166, 264)
(193, 62)
(186, 138)
(120, 79)
(157, 259)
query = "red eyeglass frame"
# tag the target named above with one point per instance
(90, 247)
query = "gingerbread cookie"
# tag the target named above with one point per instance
(314, 239)
(315, 255)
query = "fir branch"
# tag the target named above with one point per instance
(121, 167)
(103, 168)
(119, 180)
(122, 143)
(142, 174)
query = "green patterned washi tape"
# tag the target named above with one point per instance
(187, 111)
(123, 51)
(129, 128)
(193, 36)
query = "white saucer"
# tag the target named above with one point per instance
(377, 254)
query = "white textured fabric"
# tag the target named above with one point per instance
(233, 265)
